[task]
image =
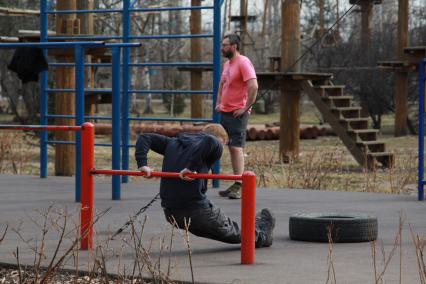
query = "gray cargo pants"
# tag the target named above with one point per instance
(208, 223)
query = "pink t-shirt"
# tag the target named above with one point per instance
(234, 78)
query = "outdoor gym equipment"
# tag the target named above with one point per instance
(88, 171)
(122, 77)
(421, 165)
(79, 51)
(248, 202)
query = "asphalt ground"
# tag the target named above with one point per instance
(25, 199)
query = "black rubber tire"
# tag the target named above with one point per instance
(351, 228)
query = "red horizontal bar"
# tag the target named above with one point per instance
(40, 127)
(166, 174)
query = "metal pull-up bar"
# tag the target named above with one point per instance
(421, 159)
(248, 203)
(87, 131)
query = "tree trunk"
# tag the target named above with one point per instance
(401, 78)
(86, 28)
(290, 100)
(196, 56)
(65, 102)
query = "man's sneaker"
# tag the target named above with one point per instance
(235, 191)
(225, 193)
(265, 224)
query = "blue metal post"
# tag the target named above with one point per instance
(116, 109)
(421, 130)
(79, 111)
(216, 71)
(43, 94)
(126, 84)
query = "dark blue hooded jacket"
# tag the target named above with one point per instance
(196, 152)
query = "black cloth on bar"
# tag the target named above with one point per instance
(27, 62)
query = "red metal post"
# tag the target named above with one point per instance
(248, 218)
(87, 185)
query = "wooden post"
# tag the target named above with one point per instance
(65, 102)
(289, 115)
(366, 14)
(401, 78)
(229, 15)
(86, 28)
(86, 19)
(196, 49)
(265, 14)
(321, 17)
(337, 17)
(243, 23)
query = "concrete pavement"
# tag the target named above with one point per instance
(24, 198)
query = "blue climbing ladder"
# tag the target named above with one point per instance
(120, 117)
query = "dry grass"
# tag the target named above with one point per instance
(52, 262)
(326, 164)
(381, 258)
(145, 267)
(323, 163)
(15, 153)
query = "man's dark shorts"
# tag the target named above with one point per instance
(235, 127)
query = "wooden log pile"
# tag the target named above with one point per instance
(254, 132)
(262, 133)
(170, 130)
(269, 132)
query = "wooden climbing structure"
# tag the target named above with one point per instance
(337, 109)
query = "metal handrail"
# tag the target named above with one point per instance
(421, 137)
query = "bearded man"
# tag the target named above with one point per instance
(237, 93)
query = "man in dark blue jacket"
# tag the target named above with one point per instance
(184, 199)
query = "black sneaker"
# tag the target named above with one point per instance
(265, 224)
(235, 191)
(234, 187)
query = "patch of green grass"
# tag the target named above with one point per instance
(6, 118)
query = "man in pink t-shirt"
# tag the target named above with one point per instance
(237, 93)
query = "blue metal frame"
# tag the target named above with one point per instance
(122, 89)
(102, 38)
(126, 86)
(130, 8)
(422, 79)
(79, 111)
(43, 94)
(80, 116)
(79, 78)
(127, 9)
(53, 45)
(144, 64)
(187, 8)
(216, 73)
(116, 127)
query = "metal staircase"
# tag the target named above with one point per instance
(348, 123)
